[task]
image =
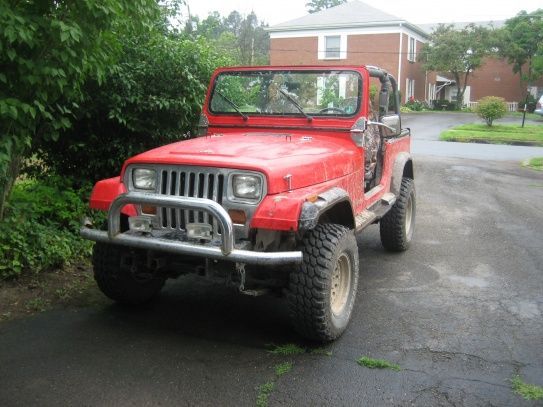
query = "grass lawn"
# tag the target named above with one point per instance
(517, 115)
(530, 135)
(529, 116)
(536, 163)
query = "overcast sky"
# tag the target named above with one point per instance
(415, 11)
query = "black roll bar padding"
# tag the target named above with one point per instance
(385, 78)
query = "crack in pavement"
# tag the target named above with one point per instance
(451, 354)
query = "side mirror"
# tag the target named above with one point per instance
(357, 131)
(392, 123)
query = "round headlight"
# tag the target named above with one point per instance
(247, 187)
(144, 178)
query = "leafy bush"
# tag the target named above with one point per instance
(41, 227)
(152, 97)
(530, 105)
(374, 91)
(48, 49)
(491, 108)
(416, 105)
(438, 104)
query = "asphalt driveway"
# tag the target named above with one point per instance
(460, 312)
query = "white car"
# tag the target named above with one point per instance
(539, 106)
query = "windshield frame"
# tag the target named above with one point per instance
(286, 71)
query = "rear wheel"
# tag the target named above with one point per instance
(122, 275)
(398, 225)
(323, 291)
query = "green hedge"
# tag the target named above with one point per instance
(41, 227)
(152, 97)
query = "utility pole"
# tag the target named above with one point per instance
(252, 50)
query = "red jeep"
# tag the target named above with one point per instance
(289, 163)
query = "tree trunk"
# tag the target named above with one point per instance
(459, 93)
(7, 179)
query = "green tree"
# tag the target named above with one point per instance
(457, 52)
(253, 41)
(317, 5)
(48, 48)
(212, 26)
(522, 44)
(151, 97)
(243, 38)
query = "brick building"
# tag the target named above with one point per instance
(356, 33)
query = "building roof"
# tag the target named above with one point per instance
(353, 14)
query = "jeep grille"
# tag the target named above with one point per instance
(194, 183)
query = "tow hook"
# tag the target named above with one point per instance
(240, 268)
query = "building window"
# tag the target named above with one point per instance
(412, 50)
(332, 46)
(409, 89)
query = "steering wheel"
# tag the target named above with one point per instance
(332, 109)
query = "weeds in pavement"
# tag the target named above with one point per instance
(527, 391)
(287, 350)
(377, 363)
(283, 368)
(264, 392)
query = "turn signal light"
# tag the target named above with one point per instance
(238, 216)
(148, 210)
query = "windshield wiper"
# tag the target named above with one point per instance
(236, 108)
(293, 101)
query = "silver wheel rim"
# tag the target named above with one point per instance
(409, 217)
(341, 284)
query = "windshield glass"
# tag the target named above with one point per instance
(287, 93)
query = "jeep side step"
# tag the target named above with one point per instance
(375, 212)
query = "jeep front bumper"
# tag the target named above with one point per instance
(226, 250)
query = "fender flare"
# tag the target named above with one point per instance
(326, 201)
(403, 166)
(105, 192)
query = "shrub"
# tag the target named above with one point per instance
(415, 105)
(152, 97)
(48, 49)
(438, 104)
(530, 105)
(41, 227)
(491, 108)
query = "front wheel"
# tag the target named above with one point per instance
(398, 225)
(122, 275)
(322, 292)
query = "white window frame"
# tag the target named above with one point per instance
(411, 49)
(342, 47)
(329, 51)
(409, 89)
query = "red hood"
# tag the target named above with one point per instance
(310, 160)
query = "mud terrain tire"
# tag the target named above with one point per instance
(398, 225)
(322, 291)
(122, 276)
